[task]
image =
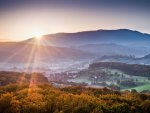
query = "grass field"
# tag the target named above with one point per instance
(140, 88)
(84, 77)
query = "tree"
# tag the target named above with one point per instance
(145, 106)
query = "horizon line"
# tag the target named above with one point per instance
(7, 40)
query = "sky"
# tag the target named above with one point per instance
(23, 19)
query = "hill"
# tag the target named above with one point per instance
(120, 36)
(131, 59)
(105, 42)
(113, 49)
(131, 69)
(80, 45)
(87, 45)
(25, 52)
(7, 78)
(146, 57)
(45, 98)
(115, 75)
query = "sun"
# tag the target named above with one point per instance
(37, 34)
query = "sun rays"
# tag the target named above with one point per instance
(34, 61)
(32, 54)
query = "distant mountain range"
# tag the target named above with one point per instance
(112, 49)
(80, 45)
(121, 36)
(25, 52)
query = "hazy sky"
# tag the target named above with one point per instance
(22, 19)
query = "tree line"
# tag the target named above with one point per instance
(130, 69)
(43, 97)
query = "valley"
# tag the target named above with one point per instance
(101, 58)
(74, 56)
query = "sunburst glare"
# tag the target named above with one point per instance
(37, 34)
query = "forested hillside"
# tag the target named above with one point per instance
(41, 97)
(21, 78)
(131, 69)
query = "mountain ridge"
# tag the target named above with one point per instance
(119, 36)
(81, 44)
